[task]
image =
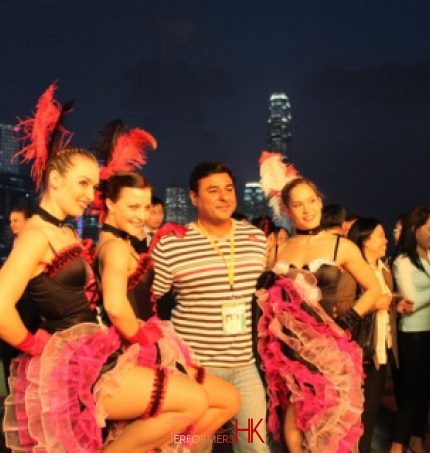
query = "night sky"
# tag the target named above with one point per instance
(198, 74)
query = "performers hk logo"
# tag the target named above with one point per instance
(188, 435)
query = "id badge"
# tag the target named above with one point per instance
(233, 318)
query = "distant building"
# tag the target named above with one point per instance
(279, 138)
(88, 226)
(16, 190)
(177, 206)
(9, 146)
(254, 202)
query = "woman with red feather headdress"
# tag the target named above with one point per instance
(74, 374)
(125, 276)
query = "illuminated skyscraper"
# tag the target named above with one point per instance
(9, 146)
(279, 126)
(254, 203)
(177, 206)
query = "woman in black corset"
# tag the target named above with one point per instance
(126, 278)
(305, 354)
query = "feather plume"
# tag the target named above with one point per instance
(107, 139)
(38, 133)
(60, 135)
(121, 150)
(129, 152)
(274, 175)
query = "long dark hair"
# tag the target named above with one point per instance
(361, 230)
(407, 244)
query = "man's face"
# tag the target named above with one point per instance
(216, 198)
(155, 217)
(16, 221)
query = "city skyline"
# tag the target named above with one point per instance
(199, 76)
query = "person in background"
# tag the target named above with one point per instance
(398, 228)
(349, 221)
(411, 268)
(282, 235)
(155, 218)
(265, 223)
(333, 218)
(18, 217)
(369, 235)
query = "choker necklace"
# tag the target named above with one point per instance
(138, 245)
(47, 217)
(116, 231)
(311, 232)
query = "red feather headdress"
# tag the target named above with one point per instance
(122, 150)
(45, 133)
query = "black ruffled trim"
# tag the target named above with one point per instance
(62, 258)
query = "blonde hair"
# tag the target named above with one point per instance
(62, 160)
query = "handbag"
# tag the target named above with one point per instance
(365, 335)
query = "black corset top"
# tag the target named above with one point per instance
(139, 288)
(59, 291)
(327, 274)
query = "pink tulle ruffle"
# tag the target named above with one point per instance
(51, 406)
(327, 394)
(56, 399)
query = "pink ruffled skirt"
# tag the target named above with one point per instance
(55, 404)
(310, 361)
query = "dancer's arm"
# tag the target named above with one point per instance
(24, 262)
(351, 259)
(114, 261)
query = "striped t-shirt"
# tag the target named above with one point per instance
(199, 278)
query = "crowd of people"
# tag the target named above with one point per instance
(270, 333)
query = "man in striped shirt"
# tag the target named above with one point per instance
(213, 271)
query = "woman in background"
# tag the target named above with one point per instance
(369, 235)
(411, 269)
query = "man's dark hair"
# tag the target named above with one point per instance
(205, 169)
(362, 230)
(155, 200)
(352, 216)
(239, 216)
(24, 211)
(333, 215)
